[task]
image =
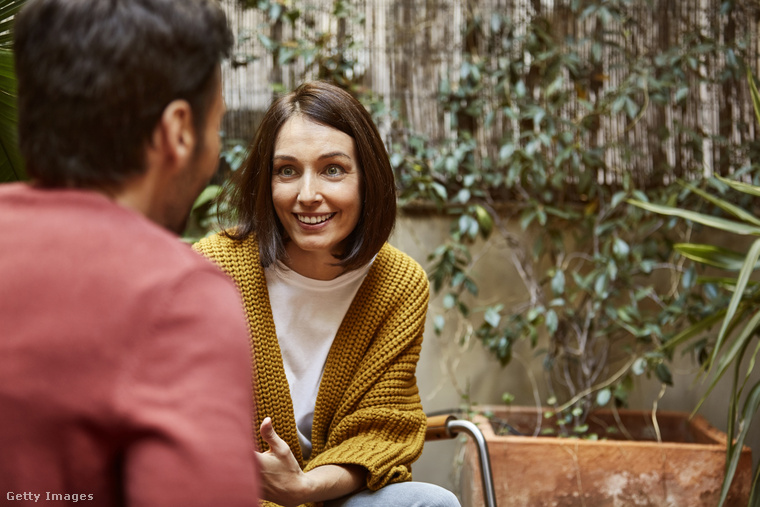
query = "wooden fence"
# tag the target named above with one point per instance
(405, 47)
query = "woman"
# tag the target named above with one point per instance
(336, 314)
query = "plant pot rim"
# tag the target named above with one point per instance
(716, 439)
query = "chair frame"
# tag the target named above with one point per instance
(447, 426)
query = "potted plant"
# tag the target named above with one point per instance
(725, 465)
(740, 319)
(600, 276)
(677, 461)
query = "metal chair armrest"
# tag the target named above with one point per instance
(447, 426)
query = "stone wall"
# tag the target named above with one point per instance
(448, 370)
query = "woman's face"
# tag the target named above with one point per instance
(315, 188)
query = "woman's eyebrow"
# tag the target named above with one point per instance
(332, 154)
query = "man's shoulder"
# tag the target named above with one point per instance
(89, 236)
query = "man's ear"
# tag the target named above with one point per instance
(174, 136)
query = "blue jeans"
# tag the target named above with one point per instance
(402, 494)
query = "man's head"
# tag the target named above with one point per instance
(95, 78)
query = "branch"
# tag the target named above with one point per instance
(622, 371)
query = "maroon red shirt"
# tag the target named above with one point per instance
(124, 361)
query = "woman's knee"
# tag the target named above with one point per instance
(403, 494)
(436, 496)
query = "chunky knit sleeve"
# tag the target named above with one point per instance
(368, 412)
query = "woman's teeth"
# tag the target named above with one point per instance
(314, 219)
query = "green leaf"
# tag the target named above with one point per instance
(712, 255)
(11, 163)
(600, 286)
(451, 165)
(738, 212)
(733, 354)
(267, 42)
(8, 9)
(687, 280)
(558, 283)
(620, 248)
(663, 373)
(617, 199)
(520, 89)
(438, 322)
(754, 93)
(209, 194)
(639, 366)
(485, 221)
(526, 218)
(751, 406)
(694, 330)
(710, 221)
(552, 322)
(440, 190)
(741, 284)
(506, 151)
(603, 397)
(580, 428)
(741, 187)
(492, 317)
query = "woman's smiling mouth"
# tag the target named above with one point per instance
(314, 219)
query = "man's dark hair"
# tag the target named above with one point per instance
(251, 194)
(94, 77)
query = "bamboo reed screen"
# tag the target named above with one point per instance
(404, 48)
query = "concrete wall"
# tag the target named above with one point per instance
(448, 371)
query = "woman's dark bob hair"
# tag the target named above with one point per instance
(251, 194)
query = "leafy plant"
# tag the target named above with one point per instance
(527, 109)
(586, 257)
(739, 334)
(11, 164)
(209, 206)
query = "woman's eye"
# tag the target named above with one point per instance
(334, 170)
(286, 171)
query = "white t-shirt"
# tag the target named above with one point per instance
(307, 314)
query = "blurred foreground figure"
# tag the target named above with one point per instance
(124, 360)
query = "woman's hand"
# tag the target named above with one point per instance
(284, 482)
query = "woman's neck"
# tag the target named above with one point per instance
(315, 265)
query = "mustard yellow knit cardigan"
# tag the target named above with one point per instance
(368, 409)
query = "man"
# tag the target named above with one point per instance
(124, 359)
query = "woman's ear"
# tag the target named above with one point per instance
(174, 136)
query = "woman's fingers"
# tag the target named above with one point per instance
(282, 478)
(270, 436)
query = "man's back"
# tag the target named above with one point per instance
(116, 341)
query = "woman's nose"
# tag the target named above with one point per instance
(308, 192)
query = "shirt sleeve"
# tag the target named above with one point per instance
(383, 428)
(186, 400)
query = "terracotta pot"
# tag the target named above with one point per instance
(685, 469)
